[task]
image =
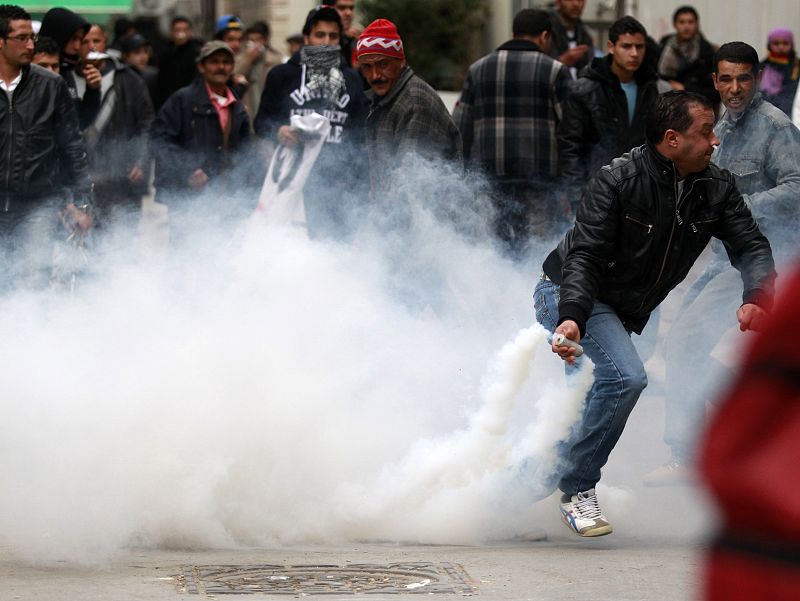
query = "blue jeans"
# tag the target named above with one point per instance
(693, 376)
(619, 379)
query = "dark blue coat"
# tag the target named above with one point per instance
(187, 136)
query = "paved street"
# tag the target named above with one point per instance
(615, 569)
(653, 555)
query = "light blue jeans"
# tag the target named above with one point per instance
(619, 379)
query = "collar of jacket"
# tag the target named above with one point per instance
(521, 45)
(200, 95)
(407, 74)
(664, 167)
(728, 119)
(600, 70)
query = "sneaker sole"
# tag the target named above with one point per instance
(599, 531)
(589, 533)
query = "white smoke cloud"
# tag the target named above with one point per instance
(272, 390)
(278, 390)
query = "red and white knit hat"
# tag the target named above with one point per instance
(380, 37)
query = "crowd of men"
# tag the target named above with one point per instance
(637, 157)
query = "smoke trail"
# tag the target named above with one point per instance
(247, 392)
(480, 462)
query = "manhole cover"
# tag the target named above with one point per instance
(416, 577)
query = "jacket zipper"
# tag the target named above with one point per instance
(649, 226)
(7, 204)
(677, 221)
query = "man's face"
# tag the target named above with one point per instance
(217, 68)
(180, 33)
(48, 61)
(94, 41)
(697, 143)
(346, 10)
(323, 32)
(17, 46)
(382, 72)
(233, 38)
(570, 9)
(628, 53)
(736, 85)
(73, 46)
(138, 58)
(256, 39)
(686, 26)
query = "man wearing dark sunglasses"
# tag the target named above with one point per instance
(43, 168)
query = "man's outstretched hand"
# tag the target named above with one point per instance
(751, 317)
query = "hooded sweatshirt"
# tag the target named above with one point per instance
(61, 24)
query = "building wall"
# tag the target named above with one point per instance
(726, 20)
(284, 16)
(720, 20)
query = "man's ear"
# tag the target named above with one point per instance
(714, 79)
(671, 138)
(544, 41)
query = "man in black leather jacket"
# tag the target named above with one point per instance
(642, 222)
(43, 169)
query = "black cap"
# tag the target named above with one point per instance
(133, 42)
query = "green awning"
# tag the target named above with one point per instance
(82, 7)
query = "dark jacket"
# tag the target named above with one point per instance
(43, 153)
(559, 42)
(60, 24)
(282, 98)
(510, 105)
(150, 76)
(410, 119)
(177, 68)
(631, 244)
(122, 143)
(696, 75)
(595, 128)
(337, 183)
(186, 136)
(791, 74)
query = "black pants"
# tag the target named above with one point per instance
(524, 211)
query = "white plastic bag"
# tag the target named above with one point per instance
(281, 199)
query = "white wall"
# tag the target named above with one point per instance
(726, 20)
(720, 20)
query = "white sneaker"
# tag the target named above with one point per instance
(581, 513)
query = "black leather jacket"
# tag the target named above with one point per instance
(631, 244)
(41, 148)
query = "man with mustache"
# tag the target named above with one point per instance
(643, 221)
(407, 117)
(760, 146)
(44, 169)
(197, 138)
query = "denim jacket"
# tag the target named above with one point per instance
(761, 148)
